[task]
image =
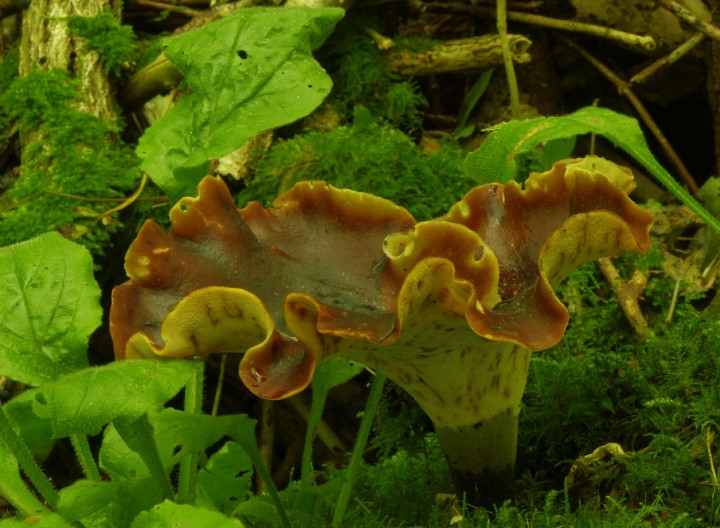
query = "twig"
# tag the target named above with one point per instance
(631, 39)
(624, 88)
(628, 294)
(537, 4)
(673, 302)
(672, 57)
(158, 77)
(383, 43)
(168, 7)
(507, 58)
(691, 18)
(460, 55)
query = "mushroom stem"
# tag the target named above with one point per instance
(482, 458)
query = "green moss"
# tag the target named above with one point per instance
(9, 68)
(658, 398)
(362, 76)
(68, 152)
(105, 34)
(365, 157)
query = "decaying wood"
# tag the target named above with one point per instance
(628, 294)
(46, 43)
(477, 53)
(158, 77)
(691, 18)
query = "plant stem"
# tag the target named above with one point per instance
(25, 459)
(253, 452)
(219, 387)
(82, 450)
(371, 408)
(21, 498)
(187, 478)
(306, 467)
(507, 58)
(482, 457)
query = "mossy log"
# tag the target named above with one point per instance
(47, 43)
(476, 53)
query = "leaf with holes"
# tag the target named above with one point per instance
(249, 72)
(49, 303)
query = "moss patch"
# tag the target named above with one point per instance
(105, 34)
(365, 157)
(68, 152)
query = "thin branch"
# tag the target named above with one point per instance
(628, 294)
(691, 18)
(671, 58)
(673, 301)
(168, 7)
(643, 41)
(383, 43)
(624, 88)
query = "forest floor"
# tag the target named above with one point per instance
(619, 421)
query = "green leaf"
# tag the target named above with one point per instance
(171, 515)
(12, 485)
(226, 479)
(117, 460)
(139, 436)
(113, 504)
(495, 160)
(332, 373)
(50, 305)
(469, 103)
(709, 193)
(33, 430)
(176, 434)
(84, 402)
(249, 72)
(542, 157)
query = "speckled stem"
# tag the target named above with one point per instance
(482, 458)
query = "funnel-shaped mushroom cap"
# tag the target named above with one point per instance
(448, 308)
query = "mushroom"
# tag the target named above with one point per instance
(450, 309)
